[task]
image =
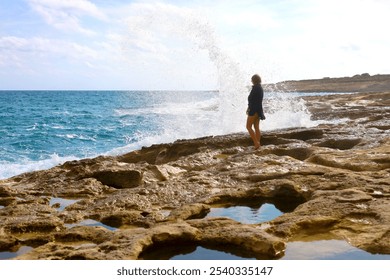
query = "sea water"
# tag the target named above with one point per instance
(40, 129)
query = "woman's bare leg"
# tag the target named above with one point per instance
(257, 130)
(250, 121)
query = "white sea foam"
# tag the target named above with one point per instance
(76, 136)
(11, 169)
(173, 108)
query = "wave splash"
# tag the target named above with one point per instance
(11, 169)
(282, 110)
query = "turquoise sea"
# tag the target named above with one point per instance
(39, 129)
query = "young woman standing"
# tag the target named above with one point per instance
(255, 110)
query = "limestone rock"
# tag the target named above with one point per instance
(331, 181)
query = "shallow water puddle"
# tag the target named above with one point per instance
(190, 252)
(299, 250)
(328, 250)
(1, 206)
(61, 203)
(201, 253)
(247, 214)
(90, 223)
(9, 255)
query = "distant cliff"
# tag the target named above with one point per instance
(357, 83)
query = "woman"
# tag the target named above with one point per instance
(255, 110)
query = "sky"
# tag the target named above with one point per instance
(187, 45)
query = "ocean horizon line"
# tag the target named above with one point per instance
(106, 90)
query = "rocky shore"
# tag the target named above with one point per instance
(330, 181)
(358, 83)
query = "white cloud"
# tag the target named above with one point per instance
(30, 53)
(65, 15)
(76, 6)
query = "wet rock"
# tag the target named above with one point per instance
(163, 172)
(29, 217)
(304, 134)
(5, 191)
(341, 144)
(56, 205)
(352, 195)
(248, 238)
(119, 179)
(7, 242)
(188, 212)
(6, 195)
(26, 224)
(94, 235)
(121, 218)
(64, 251)
(88, 187)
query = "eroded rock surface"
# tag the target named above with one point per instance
(333, 179)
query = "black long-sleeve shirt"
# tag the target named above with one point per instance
(255, 102)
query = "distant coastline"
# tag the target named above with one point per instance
(357, 83)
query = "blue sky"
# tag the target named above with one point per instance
(130, 45)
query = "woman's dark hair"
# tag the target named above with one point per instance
(256, 80)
